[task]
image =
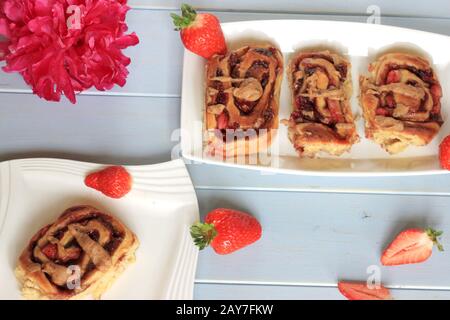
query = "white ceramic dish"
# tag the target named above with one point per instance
(159, 209)
(361, 44)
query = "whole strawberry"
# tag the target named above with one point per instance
(226, 230)
(114, 182)
(200, 32)
(411, 246)
(444, 153)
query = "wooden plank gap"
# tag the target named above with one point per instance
(313, 189)
(284, 12)
(311, 284)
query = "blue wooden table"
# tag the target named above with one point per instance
(317, 230)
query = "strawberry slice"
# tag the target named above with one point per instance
(390, 101)
(393, 76)
(411, 246)
(360, 291)
(201, 33)
(382, 112)
(335, 110)
(436, 92)
(50, 251)
(222, 120)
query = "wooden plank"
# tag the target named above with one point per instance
(216, 177)
(166, 61)
(399, 7)
(316, 239)
(103, 129)
(204, 291)
(309, 238)
(123, 130)
(157, 61)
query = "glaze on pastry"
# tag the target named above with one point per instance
(82, 239)
(401, 102)
(322, 120)
(242, 100)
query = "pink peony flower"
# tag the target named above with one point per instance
(65, 46)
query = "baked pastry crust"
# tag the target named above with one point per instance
(401, 102)
(242, 100)
(322, 120)
(97, 243)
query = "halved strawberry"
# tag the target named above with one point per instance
(390, 101)
(411, 246)
(360, 291)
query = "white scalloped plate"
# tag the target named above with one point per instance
(159, 209)
(361, 44)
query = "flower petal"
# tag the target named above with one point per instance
(4, 28)
(43, 7)
(126, 41)
(13, 10)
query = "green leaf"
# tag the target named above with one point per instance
(434, 235)
(187, 17)
(203, 234)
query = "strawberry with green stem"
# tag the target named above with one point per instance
(200, 32)
(226, 230)
(411, 246)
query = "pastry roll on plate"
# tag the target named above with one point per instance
(321, 120)
(401, 102)
(80, 254)
(242, 100)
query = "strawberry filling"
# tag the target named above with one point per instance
(382, 112)
(335, 110)
(222, 121)
(411, 246)
(50, 251)
(393, 76)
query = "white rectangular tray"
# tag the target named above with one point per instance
(361, 44)
(160, 208)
